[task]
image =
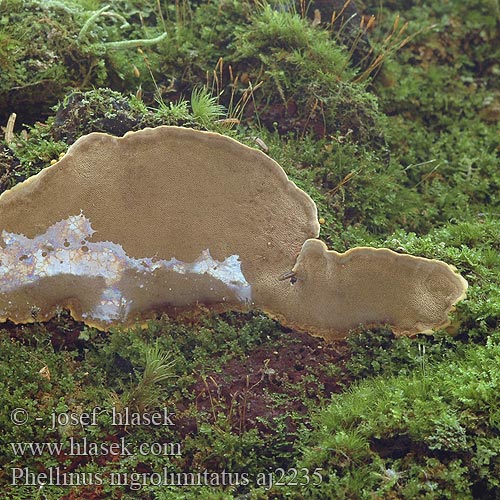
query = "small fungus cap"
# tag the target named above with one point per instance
(335, 292)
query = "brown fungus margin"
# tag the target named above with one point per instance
(175, 193)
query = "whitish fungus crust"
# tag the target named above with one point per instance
(29, 267)
(169, 219)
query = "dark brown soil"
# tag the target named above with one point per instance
(291, 374)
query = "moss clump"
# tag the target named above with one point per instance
(31, 154)
(308, 79)
(307, 75)
(101, 110)
(34, 73)
(359, 191)
(47, 48)
(431, 433)
(8, 164)
(225, 406)
(442, 99)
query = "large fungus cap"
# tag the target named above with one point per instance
(161, 219)
(336, 292)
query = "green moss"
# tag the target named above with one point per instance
(442, 99)
(431, 433)
(359, 192)
(51, 47)
(131, 367)
(32, 154)
(409, 162)
(304, 68)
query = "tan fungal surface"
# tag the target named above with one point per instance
(160, 220)
(169, 219)
(335, 292)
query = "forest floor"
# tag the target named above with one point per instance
(388, 117)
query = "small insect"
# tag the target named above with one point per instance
(289, 275)
(34, 312)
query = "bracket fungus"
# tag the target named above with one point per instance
(336, 292)
(170, 218)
